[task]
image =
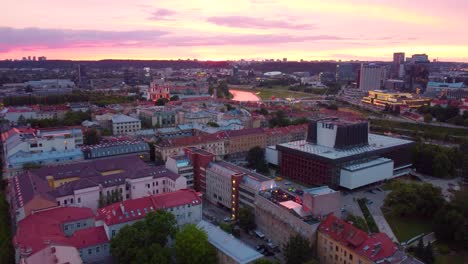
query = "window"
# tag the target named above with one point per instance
(113, 233)
(71, 200)
(65, 227)
(336, 248)
(78, 225)
(97, 249)
(58, 203)
(65, 202)
(79, 199)
(90, 251)
(350, 256)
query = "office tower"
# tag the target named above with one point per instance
(420, 58)
(398, 64)
(372, 77)
(345, 72)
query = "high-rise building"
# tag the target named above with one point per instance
(42, 58)
(82, 76)
(372, 77)
(398, 64)
(345, 72)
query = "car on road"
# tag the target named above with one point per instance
(299, 191)
(370, 202)
(227, 219)
(287, 183)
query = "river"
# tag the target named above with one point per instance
(244, 96)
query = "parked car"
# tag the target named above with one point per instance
(299, 191)
(287, 183)
(227, 219)
(259, 234)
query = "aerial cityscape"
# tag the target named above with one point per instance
(246, 132)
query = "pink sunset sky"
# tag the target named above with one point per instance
(233, 29)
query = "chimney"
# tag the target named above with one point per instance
(50, 181)
(122, 208)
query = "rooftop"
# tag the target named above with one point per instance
(319, 190)
(130, 210)
(375, 247)
(38, 230)
(376, 142)
(229, 245)
(123, 119)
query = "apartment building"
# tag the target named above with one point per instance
(84, 184)
(122, 124)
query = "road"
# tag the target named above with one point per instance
(377, 197)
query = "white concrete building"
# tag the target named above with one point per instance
(372, 77)
(122, 124)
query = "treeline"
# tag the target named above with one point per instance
(56, 99)
(436, 160)
(280, 119)
(449, 114)
(7, 252)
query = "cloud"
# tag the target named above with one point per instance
(162, 14)
(39, 39)
(253, 22)
(13, 38)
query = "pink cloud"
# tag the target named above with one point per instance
(253, 22)
(162, 14)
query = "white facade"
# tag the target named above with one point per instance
(271, 155)
(372, 77)
(219, 185)
(326, 134)
(122, 124)
(362, 174)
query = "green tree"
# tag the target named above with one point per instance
(428, 256)
(7, 252)
(297, 250)
(256, 159)
(154, 254)
(264, 261)
(427, 118)
(175, 98)
(106, 132)
(91, 137)
(212, 124)
(21, 120)
(246, 218)
(156, 228)
(161, 101)
(31, 166)
(192, 246)
(358, 222)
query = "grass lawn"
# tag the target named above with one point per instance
(407, 228)
(452, 259)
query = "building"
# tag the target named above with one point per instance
(440, 87)
(229, 250)
(157, 91)
(85, 184)
(345, 154)
(122, 124)
(117, 147)
(232, 186)
(183, 166)
(241, 141)
(185, 205)
(200, 160)
(28, 146)
(159, 116)
(398, 63)
(395, 101)
(340, 242)
(61, 235)
(22, 113)
(280, 135)
(280, 215)
(372, 77)
(213, 143)
(345, 72)
(200, 117)
(419, 58)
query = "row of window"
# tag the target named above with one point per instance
(72, 226)
(96, 249)
(66, 201)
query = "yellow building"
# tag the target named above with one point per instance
(395, 99)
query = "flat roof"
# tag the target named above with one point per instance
(367, 164)
(376, 142)
(319, 190)
(228, 244)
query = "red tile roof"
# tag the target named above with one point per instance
(37, 230)
(193, 140)
(88, 237)
(131, 210)
(374, 247)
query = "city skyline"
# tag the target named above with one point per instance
(255, 29)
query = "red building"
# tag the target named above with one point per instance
(156, 92)
(200, 160)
